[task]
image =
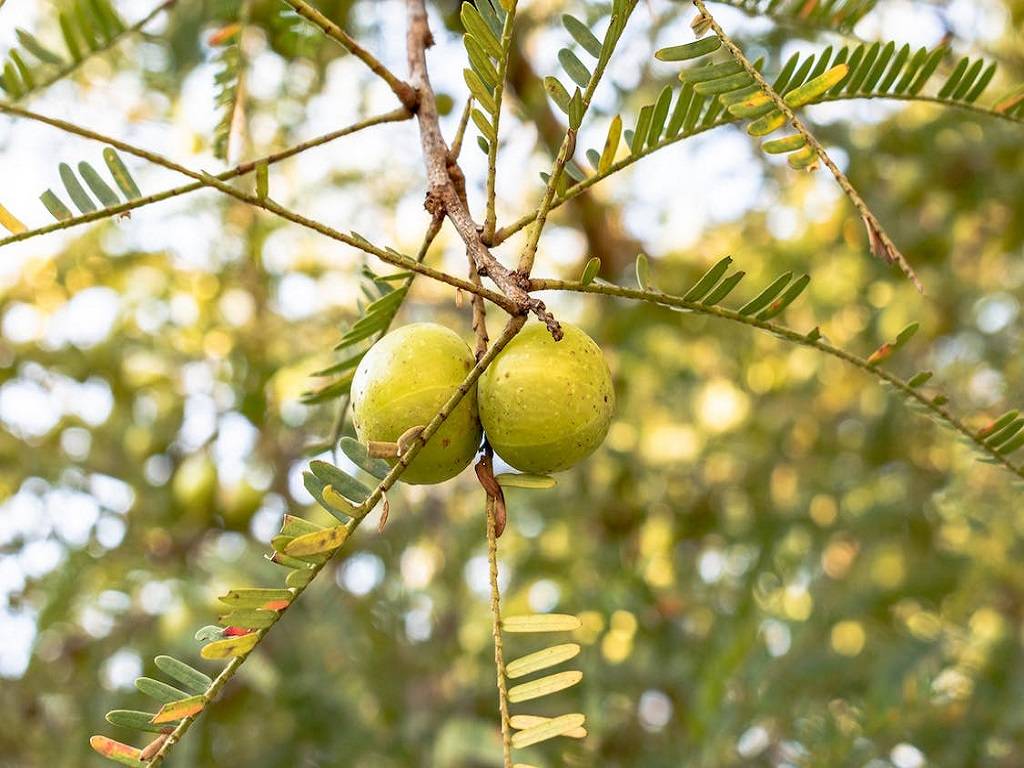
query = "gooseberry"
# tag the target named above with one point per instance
(546, 405)
(402, 382)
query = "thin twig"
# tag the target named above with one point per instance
(386, 255)
(460, 132)
(724, 118)
(499, 647)
(880, 242)
(565, 153)
(490, 217)
(405, 92)
(940, 412)
(242, 169)
(74, 65)
(446, 182)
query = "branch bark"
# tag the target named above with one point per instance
(446, 184)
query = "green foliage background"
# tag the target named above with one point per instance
(776, 562)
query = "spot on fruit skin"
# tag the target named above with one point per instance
(402, 382)
(547, 405)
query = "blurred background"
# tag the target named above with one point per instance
(776, 562)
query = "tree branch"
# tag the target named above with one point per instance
(405, 92)
(940, 413)
(880, 242)
(241, 169)
(446, 182)
(387, 255)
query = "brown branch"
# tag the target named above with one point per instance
(446, 182)
(405, 92)
(386, 255)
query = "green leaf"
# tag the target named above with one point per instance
(724, 289)
(480, 92)
(643, 123)
(918, 379)
(979, 87)
(779, 305)
(480, 61)
(582, 35)
(659, 116)
(78, 195)
(535, 662)
(262, 180)
(575, 120)
(159, 690)
(119, 171)
(643, 271)
(55, 206)
(557, 93)
(70, 38)
(723, 84)
(574, 67)
(689, 51)
(712, 72)
(544, 686)
(525, 480)
(475, 25)
(928, 68)
(484, 125)
(344, 484)
(137, 721)
(31, 44)
(590, 270)
(98, 186)
(708, 280)
(522, 722)
(764, 298)
(193, 680)
(358, 455)
(299, 578)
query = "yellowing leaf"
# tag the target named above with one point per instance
(535, 662)
(544, 686)
(556, 726)
(318, 541)
(522, 722)
(177, 710)
(230, 647)
(116, 751)
(541, 622)
(10, 222)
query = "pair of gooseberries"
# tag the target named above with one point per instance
(545, 405)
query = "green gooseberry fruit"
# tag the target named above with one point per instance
(544, 404)
(402, 382)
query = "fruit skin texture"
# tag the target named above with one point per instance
(402, 382)
(546, 405)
